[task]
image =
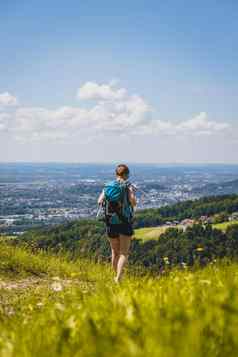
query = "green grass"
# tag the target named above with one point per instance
(19, 262)
(223, 226)
(149, 232)
(155, 232)
(53, 307)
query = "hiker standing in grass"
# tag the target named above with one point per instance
(118, 201)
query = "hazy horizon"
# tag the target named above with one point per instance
(127, 162)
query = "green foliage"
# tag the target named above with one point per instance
(198, 244)
(79, 238)
(220, 218)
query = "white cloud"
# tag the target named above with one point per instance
(115, 111)
(201, 125)
(8, 100)
(35, 123)
(4, 121)
(92, 90)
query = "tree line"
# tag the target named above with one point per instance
(208, 206)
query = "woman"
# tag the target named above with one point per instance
(120, 234)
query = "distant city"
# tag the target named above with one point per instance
(36, 195)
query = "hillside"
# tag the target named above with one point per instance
(53, 307)
(86, 239)
(155, 232)
(225, 204)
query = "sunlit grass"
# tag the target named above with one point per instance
(16, 262)
(155, 232)
(223, 226)
(149, 232)
(75, 309)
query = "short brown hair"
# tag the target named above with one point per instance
(122, 171)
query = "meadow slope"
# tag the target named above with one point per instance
(53, 307)
(149, 233)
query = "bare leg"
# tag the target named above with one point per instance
(125, 242)
(115, 249)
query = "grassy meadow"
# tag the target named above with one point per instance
(223, 226)
(155, 232)
(149, 232)
(51, 306)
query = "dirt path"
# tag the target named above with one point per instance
(55, 283)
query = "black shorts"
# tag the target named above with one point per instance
(114, 230)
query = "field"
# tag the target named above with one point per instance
(223, 226)
(149, 232)
(154, 232)
(53, 307)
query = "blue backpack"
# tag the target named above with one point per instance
(117, 207)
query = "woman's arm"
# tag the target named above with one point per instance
(132, 196)
(101, 198)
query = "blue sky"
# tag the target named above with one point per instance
(178, 58)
